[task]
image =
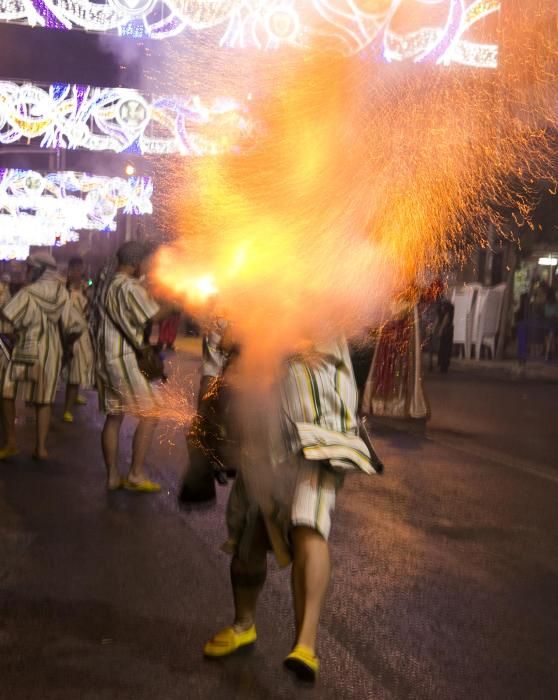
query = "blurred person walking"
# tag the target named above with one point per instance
(81, 360)
(206, 437)
(295, 450)
(122, 308)
(43, 318)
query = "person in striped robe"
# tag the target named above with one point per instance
(41, 314)
(122, 310)
(5, 296)
(81, 370)
(284, 496)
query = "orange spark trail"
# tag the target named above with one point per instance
(364, 179)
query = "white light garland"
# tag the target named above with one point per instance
(349, 25)
(51, 209)
(117, 119)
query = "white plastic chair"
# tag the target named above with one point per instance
(464, 300)
(489, 317)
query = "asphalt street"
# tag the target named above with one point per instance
(445, 581)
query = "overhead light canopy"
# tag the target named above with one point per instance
(448, 33)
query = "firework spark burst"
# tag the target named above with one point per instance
(365, 180)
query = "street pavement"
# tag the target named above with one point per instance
(445, 581)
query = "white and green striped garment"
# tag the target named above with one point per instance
(82, 366)
(37, 313)
(128, 307)
(319, 400)
(5, 296)
(295, 454)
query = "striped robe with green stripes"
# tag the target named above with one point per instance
(319, 400)
(296, 450)
(38, 313)
(82, 365)
(5, 296)
(127, 309)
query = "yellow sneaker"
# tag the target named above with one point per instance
(228, 641)
(7, 452)
(67, 417)
(303, 663)
(81, 400)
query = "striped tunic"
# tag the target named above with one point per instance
(38, 313)
(5, 296)
(319, 400)
(127, 309)
(300, 444)
(82, 366)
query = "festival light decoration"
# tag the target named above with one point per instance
(52, 209)
(349, 25)
(117, 119)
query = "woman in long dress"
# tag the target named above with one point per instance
(394, 384)
(81, 370)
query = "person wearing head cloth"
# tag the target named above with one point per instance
(123, 308)
(81, 370)
(41, 314)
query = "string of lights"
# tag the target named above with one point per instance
(117, 119)
(442, 34)
(52, 209)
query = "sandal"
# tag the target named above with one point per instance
(8, 452)
(303, 663)
(228, 641)
(144, 486)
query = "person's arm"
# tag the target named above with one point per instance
(19, 310)
(164, 312)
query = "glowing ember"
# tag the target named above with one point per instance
(365, 180)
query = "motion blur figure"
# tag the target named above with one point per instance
(43, 318)
(81, 358)
(122, 308)
(206, 434)
(295, 449)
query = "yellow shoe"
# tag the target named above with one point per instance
(228, 641)
(67, 417)
(81, 400)
(8, 452)
(303, 663)
(144, 486)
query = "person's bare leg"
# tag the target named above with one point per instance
(110, 443)
(71, 396)
(43, 412)
(248, 578)
(141, 444)
(298, 592)
(311, 574)
(8, 424)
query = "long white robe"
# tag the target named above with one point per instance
(39, 314)
(82, 366)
